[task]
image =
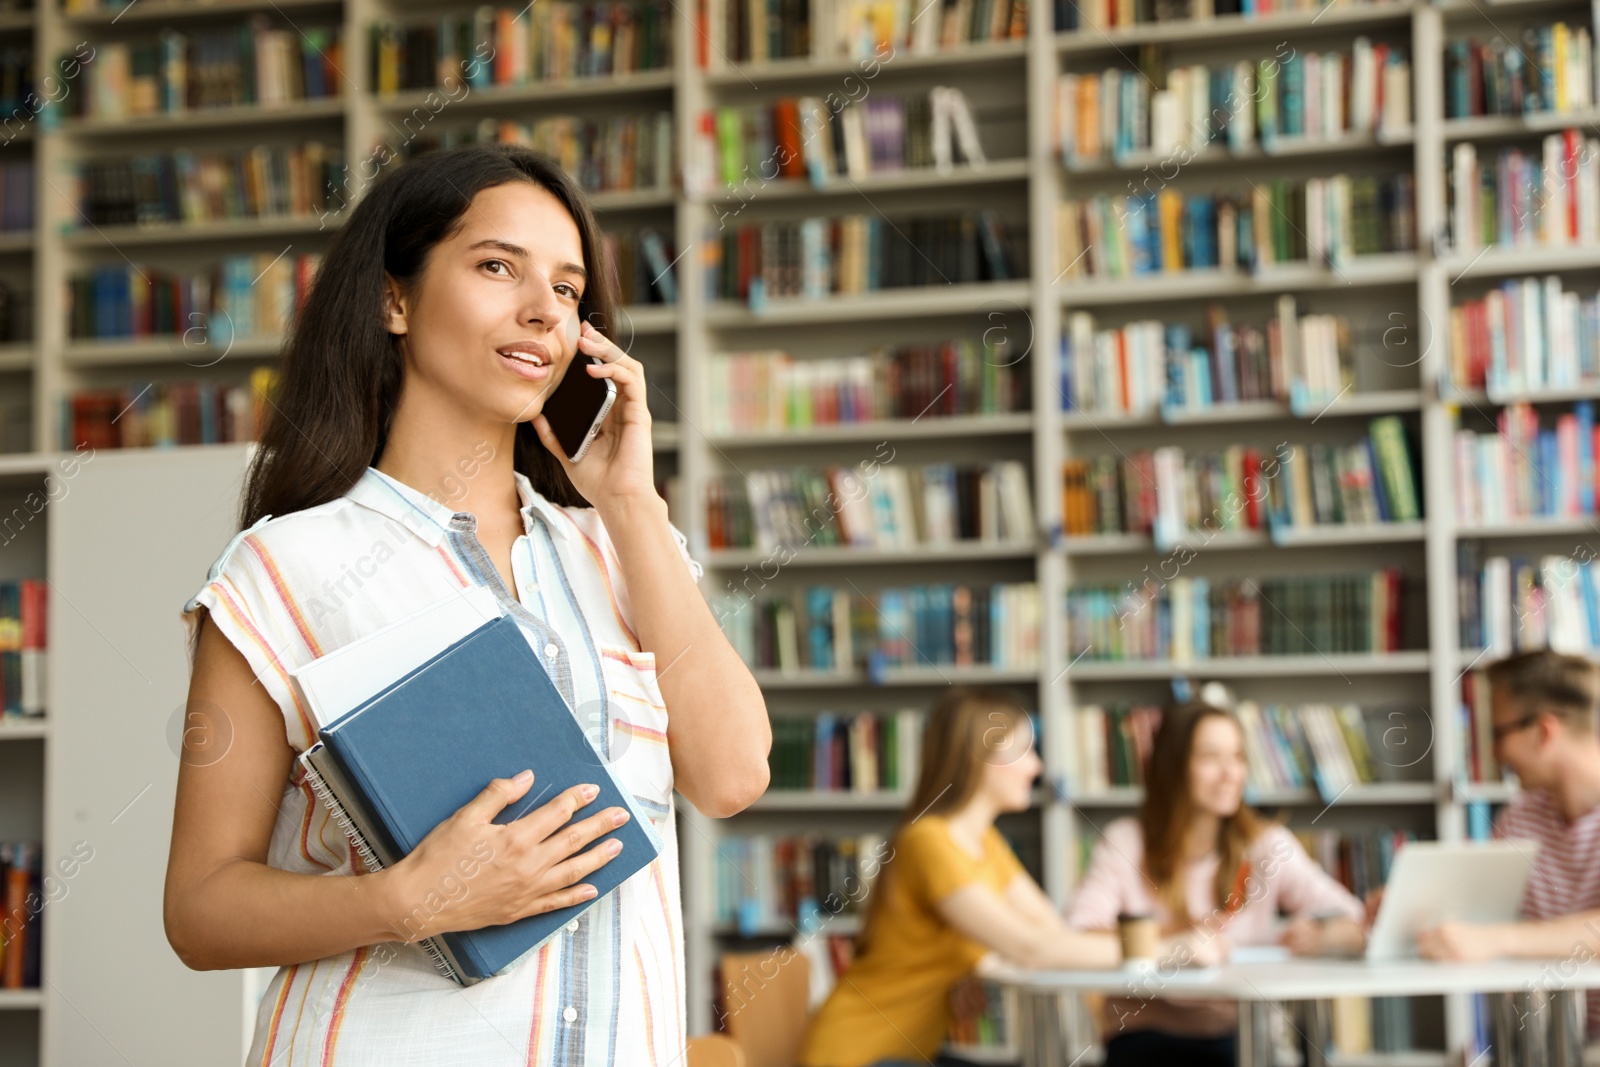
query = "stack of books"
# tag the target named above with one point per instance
(394, 682)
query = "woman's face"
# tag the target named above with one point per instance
(1011, 764)
(491, 321)
(1216, 766)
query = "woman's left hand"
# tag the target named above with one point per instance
(620, 461)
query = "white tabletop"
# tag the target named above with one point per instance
(1311, 979)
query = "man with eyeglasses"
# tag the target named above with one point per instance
(1544, 708)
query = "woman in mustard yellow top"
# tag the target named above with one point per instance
(950, 891)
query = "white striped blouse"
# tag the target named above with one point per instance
(609, 989)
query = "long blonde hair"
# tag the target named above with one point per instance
(966, 729)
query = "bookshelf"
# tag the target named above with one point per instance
(1400, 302)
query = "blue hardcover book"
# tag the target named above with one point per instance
(1178, 345)
(402, 762)
(1584, 410)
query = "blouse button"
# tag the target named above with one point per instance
(569, 1013)
(572, 927)
(552, 651)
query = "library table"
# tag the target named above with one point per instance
(1547, 992)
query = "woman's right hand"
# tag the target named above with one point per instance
(470, 872)
(1190, 949)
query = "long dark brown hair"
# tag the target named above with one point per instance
(966, 729)
(342, 369)
(1168, 808)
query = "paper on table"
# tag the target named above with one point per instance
(1258, 954)
(344, 678)
(1151, 974)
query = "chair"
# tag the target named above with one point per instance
(766, 996)
(715, 1050)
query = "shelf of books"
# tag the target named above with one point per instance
(27, 484)
(1255, 449)
(862, 462)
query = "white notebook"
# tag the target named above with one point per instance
(342, 679)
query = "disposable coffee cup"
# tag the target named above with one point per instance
(1139, 937)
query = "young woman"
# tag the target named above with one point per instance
(1201, 863)
(399, 465)
(949, 891)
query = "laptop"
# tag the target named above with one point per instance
(1435, 881)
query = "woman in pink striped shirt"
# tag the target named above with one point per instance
(1198, 860)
